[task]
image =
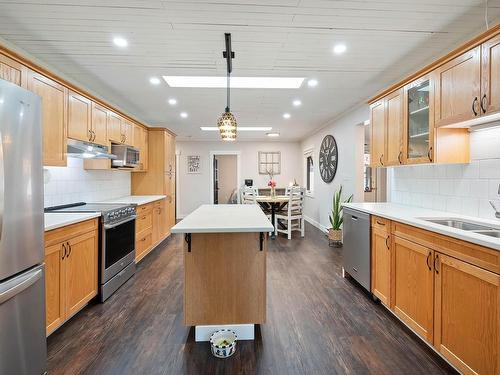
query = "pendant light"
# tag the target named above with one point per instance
(227, 122)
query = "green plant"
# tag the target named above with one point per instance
(336, 218)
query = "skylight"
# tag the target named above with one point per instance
(236, 82)
(240, 128)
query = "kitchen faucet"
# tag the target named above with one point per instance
(496, 205)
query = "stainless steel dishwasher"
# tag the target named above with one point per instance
(356, 249)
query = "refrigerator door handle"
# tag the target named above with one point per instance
(21, 283)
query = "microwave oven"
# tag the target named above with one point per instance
(126, 156)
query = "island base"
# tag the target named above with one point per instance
(243, 331)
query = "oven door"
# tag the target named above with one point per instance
(118, 247)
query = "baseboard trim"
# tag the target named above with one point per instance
(316, 224)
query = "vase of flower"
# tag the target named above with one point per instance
(272, 185)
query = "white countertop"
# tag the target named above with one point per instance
(224, 218)
(413, 216)
(58, 220)
(136, 199)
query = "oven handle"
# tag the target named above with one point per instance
(110, 226)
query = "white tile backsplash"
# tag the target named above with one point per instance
(457, 188)
(74, 184)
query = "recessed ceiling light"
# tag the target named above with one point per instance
(273, 134)
(236, 82)
(339, 48)
(172, 101)
(286, 115)
(312, 83)
(154, 81)
(297, 103)
(240, 128)
(120, 42)
(184, 114)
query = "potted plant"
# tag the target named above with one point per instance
(271, 183)
(336, 219)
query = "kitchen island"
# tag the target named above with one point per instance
(224, 268)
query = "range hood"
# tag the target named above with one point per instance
(87, 150)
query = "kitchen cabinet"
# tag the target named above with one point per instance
(54, 117)
(151, 227)
(381, 255)
(79, 117)
(467, 316)
(490, 76)
(378, 136)
(414, 286)
(457, 89)
(13, 71)
(100, 124)
(141, 143)
(395, 128)
(159, 221)
(127, 133)
(71, 261)
(115, 127)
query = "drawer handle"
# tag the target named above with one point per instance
(387, 243)
(380, 223)
(355, 218)
(436, 267)
(187, 238)
(429, 154)
(483, 105)
(399, 157)
(354, 269)
(474, 103)
(428, 261)
(142, 218)
(143, 239)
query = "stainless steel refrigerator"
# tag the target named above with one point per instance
(23, 347)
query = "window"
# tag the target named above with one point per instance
(309, 172)
(270, 162)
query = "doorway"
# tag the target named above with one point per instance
(224, 178)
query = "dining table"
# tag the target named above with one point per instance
(275, 203)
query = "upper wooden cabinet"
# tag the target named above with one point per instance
(490, 76)
(141, 142)
(127, 133)
(79, 117)
(378, 139)
(395, 128)
(12, 71)
(99, 124)
(54, 117)
(115, 127)
(458, 88)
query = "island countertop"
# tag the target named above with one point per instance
(224, 218)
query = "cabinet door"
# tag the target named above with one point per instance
(413, 300)
(467, 316)
(377, 121)
(164, 217)
(419, 121)
(13, 72)
(144, 156)
(80, 271)
(381, 265)
(54, 117)
(170, 208)
(457, 89)
(157, 224)
(115, 127)
(54, 288)
(395, 128)
(490, 81)
(127, 133)
(100, 124)
(79, 117)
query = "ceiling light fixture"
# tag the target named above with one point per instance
(297, 103)
(120, 42)
(154, 81)
(236, 82)
(227, 122)
(312, 83)
(339, 48)
(286, 116)
(240, 128)
(172, 101)
(273, 134)
(184, 114)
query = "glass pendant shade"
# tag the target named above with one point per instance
(227, 126)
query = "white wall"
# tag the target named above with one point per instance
(349, 135)
(456, 188)
(193, 189)
(63, 185)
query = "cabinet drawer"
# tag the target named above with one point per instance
(143, 243)
(144, 221)
(381, 223)
(61, 234)
(159, 203)
(144, 208)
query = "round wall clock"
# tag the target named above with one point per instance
(328, 158)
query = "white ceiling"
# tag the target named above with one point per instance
(386, 39)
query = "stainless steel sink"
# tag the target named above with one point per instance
(459, 224)
(491, 232)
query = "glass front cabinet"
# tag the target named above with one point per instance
(419, 121)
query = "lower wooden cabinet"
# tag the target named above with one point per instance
(467, 316)
(152, 227)
(414, 286)
(451, 303)
(71, 261)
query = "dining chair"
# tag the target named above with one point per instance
(292, 214)
(249, 195)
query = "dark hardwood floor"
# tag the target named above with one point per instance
(317, 323)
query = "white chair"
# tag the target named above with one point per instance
(292, 214)
(249, 195)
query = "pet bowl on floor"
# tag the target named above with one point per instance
(223, 343)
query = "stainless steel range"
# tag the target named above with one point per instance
(117, 242)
